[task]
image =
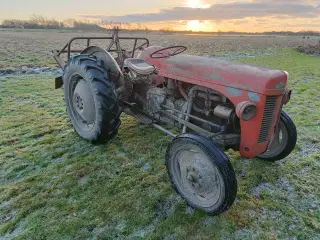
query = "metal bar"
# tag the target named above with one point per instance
(68, 45)
(191, 95)
(194, 117)
(134, 47)
(164, 130)
(190, 103)
(63, 49)
(146, 43)
(104, 38)
(88, 42)
(69, 49)
(188, 124)
(78, 51)
(58, 59)
(110, 45)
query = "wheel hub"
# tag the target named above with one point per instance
(83, 102)
(201, 173)
(199, 177)
(79, 102)
(194, 178)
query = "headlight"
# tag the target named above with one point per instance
(286, 97)
(287, 74)
(246, 110)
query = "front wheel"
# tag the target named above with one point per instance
(283, 142)
(201, 173)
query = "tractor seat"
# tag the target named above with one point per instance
(139, 66)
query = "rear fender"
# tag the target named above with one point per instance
(107, 62)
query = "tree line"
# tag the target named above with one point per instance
(41, 22)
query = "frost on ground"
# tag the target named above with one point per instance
(310, 49)
(24, 70)
(53, 185)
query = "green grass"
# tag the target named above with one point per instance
(54, 185)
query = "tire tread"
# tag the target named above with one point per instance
(103, 91)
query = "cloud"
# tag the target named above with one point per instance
(225, 11)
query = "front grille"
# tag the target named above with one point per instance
(268, 117)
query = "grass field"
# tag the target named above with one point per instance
(54, 185)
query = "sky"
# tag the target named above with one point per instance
(195, 15)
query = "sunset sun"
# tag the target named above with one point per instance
(197, 4)
(204, 26)
(193, 25)
(196, 25)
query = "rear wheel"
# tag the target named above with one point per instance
(92, 103)
(201, 173)
(283, 142)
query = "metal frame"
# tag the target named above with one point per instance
(115, 40)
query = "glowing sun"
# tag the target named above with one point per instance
(193, 25)
(197, 4)
(196, 25)
(204, 26)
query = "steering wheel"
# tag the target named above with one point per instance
(163, 53)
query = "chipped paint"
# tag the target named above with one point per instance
(281, 85)
(216, 76)
(254, 97)
(243, 77)
(242, 87)
(234, 91)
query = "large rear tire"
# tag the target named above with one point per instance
(91, 100)
(284, 141)
(201, 173)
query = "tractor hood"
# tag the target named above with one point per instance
(242, 76)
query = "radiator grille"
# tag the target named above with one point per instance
(268, 117)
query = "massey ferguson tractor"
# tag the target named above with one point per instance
(215, 104)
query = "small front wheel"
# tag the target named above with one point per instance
(283, 142)
(201, 173)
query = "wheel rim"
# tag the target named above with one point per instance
(278, 143)
(196, 177)
(81, 103)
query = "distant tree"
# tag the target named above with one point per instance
(69, 23)
(166, 29)
(13, 23)
(86, 26)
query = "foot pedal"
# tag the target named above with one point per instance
(140, 115)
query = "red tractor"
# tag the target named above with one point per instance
(216, 105)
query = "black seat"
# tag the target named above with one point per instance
(139, 66)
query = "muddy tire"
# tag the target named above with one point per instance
(201, 173)
(284, 141)
(91, 101)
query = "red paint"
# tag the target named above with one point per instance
(235, 81)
